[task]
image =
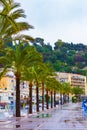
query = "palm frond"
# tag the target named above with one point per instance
(17, 14)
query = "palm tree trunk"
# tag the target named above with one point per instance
(43, 96)
(51, 100)
(61, 99)
(64, 98)
(30, 95)
(17, 96)
(47, 99)
(54, 99)
(37, 99)
(68, 97)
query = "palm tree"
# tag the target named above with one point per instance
(54, 86)
(47, 98)
(51, 93)
(38, 71)
(66, 89)
(30, 75)
(47, 71)
(37, 84)
(10, 27)
(19, 58)
(42, 72)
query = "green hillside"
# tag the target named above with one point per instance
(64, 57)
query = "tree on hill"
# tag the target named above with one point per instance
(65, 57)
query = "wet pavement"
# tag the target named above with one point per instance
(69, 117)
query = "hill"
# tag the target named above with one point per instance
(64, 57)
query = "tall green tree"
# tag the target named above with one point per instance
(58, 44)
(46, 71)
(10, 24)
(19, 58)
(28, 76)
(37, 84)
(54, 86)
(66, 89)
(40, 73)
(77, 91)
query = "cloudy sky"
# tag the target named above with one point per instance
(57, 19)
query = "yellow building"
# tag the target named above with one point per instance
(7, 84)
(8, 87)
(73, 79)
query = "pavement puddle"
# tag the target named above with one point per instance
(43, 116)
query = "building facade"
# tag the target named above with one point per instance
(73, 79)
(8, 90)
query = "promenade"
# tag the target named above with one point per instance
(69, 117)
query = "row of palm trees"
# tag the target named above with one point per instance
(20, 57)
(23, 59)
(27, 65)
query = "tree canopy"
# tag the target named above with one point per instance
(64, 56)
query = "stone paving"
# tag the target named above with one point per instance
(70, 117)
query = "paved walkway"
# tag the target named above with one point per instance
(70, 117)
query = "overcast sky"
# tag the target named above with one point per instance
(57, 19)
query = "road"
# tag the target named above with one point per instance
(70, 117)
